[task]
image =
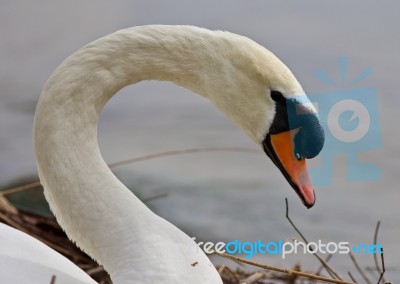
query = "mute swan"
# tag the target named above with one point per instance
(241, 78)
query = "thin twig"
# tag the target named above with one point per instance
(154, 197)
(95, 270)
(283, 270)
(20, 188)
(53, 279)
(7, 206)
(379, 270)
(223, 268)
(183, 152)
(374, 242)
(351, 277)
(253, 278)
(358, 267)
(328, 268)
(327, 259)
(383, 267)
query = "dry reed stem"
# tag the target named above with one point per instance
(4, 203)
(327, 259)
(351, 277)
(375, 242)
(20, 188)
(183, 152)
(383, 269)
(154, 197)
(95, 270)
(223, 268)
(380, 271)
(283, 270)
(145, 158)
(8, 207)
(323, 262)
(254, 278)
(358, 267)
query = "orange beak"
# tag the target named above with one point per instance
(280, 148)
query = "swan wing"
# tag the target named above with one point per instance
(24, 259)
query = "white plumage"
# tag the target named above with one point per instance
(95, 209)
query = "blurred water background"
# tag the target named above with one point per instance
(218, 196)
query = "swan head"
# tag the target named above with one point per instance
(294, 135)
(267, 102)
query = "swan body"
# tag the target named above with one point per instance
(27, 254)
(241, 78)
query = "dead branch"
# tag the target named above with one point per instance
(154, 197)
(351, 277)
(283, 270)
(20, 188)
(380, 271)
(327, 267)
(183, 152)
(327, 259)
(253, 278)
(383, 268)
(358, 267)
(225, 268)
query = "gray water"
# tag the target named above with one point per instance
(218, 196)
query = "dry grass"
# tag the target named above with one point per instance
(47, 230)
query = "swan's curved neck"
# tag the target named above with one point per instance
(90, 203)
